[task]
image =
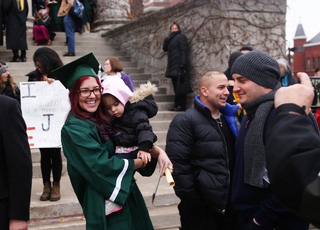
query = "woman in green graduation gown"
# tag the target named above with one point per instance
(95, 175)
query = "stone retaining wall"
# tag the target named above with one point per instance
(214, 28)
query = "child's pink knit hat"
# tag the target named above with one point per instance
(117, 88)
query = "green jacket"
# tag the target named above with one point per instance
(96, 176)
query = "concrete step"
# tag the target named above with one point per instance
(79, 223)
(165, 217)
(160, 125)
(163, 98)
(67, 213)
(164, 106)
(141, 76)
(164, 115)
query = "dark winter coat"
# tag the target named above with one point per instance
(15, 22)
(15, 163)
(34, 75)
(1, 22)
(8, 91)
(176, 45)
(197, 149)
(255, 202)
(133, 127)
(294, 173)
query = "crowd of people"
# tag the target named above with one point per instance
(50, 16)
(233, 166)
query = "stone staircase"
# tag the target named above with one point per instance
(67, 213)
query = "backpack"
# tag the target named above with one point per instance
(78, 8)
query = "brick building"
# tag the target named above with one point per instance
(306, 56)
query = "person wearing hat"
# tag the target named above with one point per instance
(233, 98)
(7, 85)
(245, 49)
(130, 113)
(86, 139)
(256, 76)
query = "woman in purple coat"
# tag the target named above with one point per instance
(113, 67)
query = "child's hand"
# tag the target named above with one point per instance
(144, 156)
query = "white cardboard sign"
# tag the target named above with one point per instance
(44, 108)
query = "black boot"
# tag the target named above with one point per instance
(23, 56)
(16, 57)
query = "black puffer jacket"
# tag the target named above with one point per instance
(133, 127)
(196, 147)
(176, 45)
(34, 75)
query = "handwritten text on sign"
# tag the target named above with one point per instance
(44, 109)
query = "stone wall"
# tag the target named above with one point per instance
(214, 28)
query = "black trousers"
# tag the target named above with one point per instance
(204, 218)
(4, 219)
(51, 161)
(16, 53)
(179, 100)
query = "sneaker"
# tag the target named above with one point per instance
(112, 207)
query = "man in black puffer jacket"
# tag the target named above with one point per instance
(200, 145)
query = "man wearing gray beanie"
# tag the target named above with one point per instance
(256, 76)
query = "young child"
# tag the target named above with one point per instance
(133, 133)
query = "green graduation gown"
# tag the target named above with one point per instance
(96, 176)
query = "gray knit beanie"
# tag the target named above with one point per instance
(258, 67)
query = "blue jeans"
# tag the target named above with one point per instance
(69, 29)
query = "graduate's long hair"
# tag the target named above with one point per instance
(99, 118)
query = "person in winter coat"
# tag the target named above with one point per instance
(15, 167)
(15, 14)
(200, 145)
(294, 168)
(1, 24)
(96, 175)
(7, 86)
(256, 76)
(286, 76)
(114, 68)
(133, 134)
(46, 60)
(176, 44)
(41, 28)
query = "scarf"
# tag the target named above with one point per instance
(20, 5)
(254, 149)
(285, 80)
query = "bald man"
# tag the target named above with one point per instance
(200, 145)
